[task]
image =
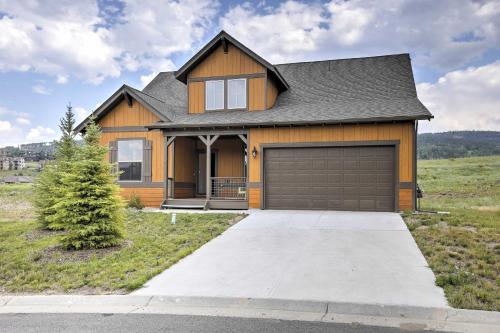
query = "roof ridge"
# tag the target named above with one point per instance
(343, 59)
(142, 92)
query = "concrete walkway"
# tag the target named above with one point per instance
(354, 257)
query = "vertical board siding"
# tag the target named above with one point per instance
(184, 159)
(402, 132)
(256, 94)
(272, 93)
(230, 154)
(123, 115)
(196, 95)
(218, 63)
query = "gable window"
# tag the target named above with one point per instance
(237, 94)
(214, 94)
(130, 160)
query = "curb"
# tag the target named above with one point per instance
(405, 317)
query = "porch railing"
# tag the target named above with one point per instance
(229, 188)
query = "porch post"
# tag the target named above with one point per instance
(167, 142)
(208, 171)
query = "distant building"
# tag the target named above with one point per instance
(38, 151)
(12, 163)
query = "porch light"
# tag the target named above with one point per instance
(254, 152)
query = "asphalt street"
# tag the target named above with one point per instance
(110, 323)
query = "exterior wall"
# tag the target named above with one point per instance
(184, 167)
(136, 116)
(230, 156)
(196, 97)
(123, 115)
(219, 65)
(402, 132)
(271, 93)
(234, 62)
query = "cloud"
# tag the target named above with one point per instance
(85, 40)
(145, 79)
(23, 121)
(80, 114)
(41, 89)
(440, 34)
(463, 100)
(41, 134)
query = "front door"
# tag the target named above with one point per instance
(201, 171)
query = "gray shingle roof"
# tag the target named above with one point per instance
(332, 91)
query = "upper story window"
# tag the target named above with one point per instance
(237, 94)
(130, 159)
(214, 95)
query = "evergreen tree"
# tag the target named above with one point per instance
(92, 208)
(49, 185)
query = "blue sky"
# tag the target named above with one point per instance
(55, 52)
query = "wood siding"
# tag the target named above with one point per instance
(122, 115)
(234, 63)
(218, 63)
(402, 132)
(271, 93)
(230, 155)
(256, 94)
(196, 98)
(150, 197)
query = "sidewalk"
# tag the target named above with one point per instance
(405, 317)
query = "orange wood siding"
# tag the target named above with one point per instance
(150, 197)
(272, 93)
(123, 115)
(403, 132)
(256, 94)
(230, 155)
(234, 62)
(405, 199)
(196, 95)
(157, 150)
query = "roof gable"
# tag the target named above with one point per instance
(129, 94)
(223, 39)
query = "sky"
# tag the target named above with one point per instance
(57, 52)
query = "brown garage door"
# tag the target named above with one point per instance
(330, 178)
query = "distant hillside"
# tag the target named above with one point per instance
(458, 144)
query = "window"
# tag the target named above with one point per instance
(130, 160)
(214, 95)
(237, 94)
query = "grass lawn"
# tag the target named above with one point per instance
(32, 261)
(462, 248)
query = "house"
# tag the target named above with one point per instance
(243, 133)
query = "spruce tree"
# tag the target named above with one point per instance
(49, 185)
(92, 207)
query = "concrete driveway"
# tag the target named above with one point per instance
(308, 255)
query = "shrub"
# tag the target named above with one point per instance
(49, 187)
(135, 202)
(92, 207)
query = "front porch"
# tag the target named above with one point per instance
(206, 170)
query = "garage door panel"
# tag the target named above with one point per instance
(338, 178)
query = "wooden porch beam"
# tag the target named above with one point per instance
(243, 138)
(128, 98)
(203, 139)
(215, 137)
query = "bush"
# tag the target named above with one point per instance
(135, 202)
(92, 207)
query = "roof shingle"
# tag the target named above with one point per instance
(332, 91)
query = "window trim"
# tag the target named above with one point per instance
(244, 79)
(142, 162)
(225, 79)
(224, 89)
